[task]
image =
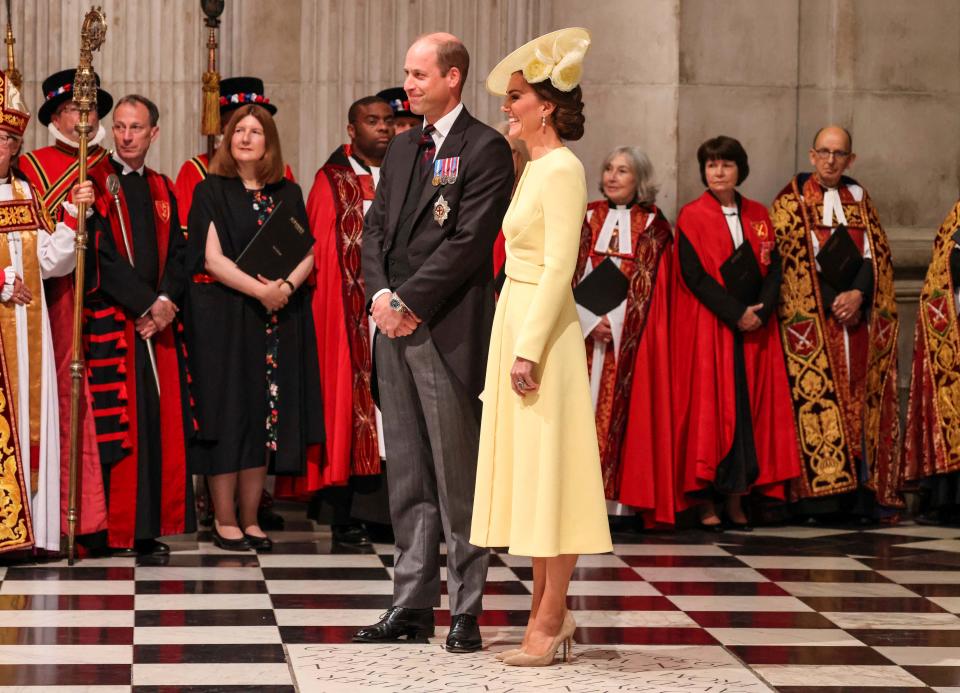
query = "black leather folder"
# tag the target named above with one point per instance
(840, 260)
(603, 290)
(741, 275)
(279, 246)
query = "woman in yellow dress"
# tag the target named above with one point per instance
(539, 490)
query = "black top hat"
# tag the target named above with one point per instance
(399, 102)
(58, 88)
(242, 91)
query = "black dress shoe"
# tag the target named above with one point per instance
(352, 535)
(258, 543)
(464, 635)
(399, 622)
(220, 542)
(151, 547)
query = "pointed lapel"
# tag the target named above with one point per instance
(453, 144)
(406, 159)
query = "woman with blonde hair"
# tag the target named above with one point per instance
(539, 490)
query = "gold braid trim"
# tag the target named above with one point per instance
(881, 415)
(828, 467)
(940, 351)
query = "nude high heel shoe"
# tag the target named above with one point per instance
(563, 639)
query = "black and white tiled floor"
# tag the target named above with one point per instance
(792, 609)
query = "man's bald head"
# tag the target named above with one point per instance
(450, 52)
(831, 154)
(833, 130)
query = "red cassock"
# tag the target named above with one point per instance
(191, 173)
(704, 387)
(335, 208)
(53, 172)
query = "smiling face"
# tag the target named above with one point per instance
(9, 146)
(619, 181)
(722, 176)
(132, 133)
(524, 108)
(248, 144)
(430, 93)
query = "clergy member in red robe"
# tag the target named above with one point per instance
(234, 92)
(52, 171)
(840, 342)
(627, 342)
(732, 408)
(931, 450)
(342, 192)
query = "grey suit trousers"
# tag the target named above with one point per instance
(432, 434)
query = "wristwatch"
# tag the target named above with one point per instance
(397, 305)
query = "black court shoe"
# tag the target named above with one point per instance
(464, 635)
(259, 544)
(220, 542)
(399, 622)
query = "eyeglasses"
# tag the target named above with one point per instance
(825, 154)
(8, 140)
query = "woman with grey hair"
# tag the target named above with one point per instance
(623, 297)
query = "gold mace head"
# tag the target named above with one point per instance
(92, 34)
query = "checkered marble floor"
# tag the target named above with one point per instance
(792, 609)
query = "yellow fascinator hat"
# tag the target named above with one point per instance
(557, 56)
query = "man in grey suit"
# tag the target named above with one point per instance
(427, 258)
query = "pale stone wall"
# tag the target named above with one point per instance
(662, 74)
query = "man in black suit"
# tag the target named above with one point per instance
(427, 247)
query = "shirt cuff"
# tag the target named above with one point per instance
(9, 277)
(71, 210)
(378, 295)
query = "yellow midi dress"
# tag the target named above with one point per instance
(539, 490)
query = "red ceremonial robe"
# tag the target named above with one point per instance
(53, 172)
(633, 405)
(113, 372)
(703, 364)
(335, 210)
(192, 172)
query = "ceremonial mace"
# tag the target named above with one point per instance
(92, 33)
(210, 115)
(113, 187)
(13, 74)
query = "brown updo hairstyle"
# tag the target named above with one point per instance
(567, 118)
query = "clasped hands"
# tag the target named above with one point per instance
(750, 321)
(157, 319)
(846, 307)
(391, 322)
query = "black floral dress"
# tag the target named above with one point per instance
(263, 205)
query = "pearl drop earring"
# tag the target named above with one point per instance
(543, 122)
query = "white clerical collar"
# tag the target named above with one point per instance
(60, 137)
(126, 166)
(362, 170)
(833, 208)
(444, 124)
(618, 217)
(4, 180)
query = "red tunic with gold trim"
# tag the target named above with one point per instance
(336, 206)
(843, 380)
(932, 441)
(53, 171)
(192, 172)
(709, 397)
(628, 375)
(149, 492)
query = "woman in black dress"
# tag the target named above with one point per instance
(250, 339)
